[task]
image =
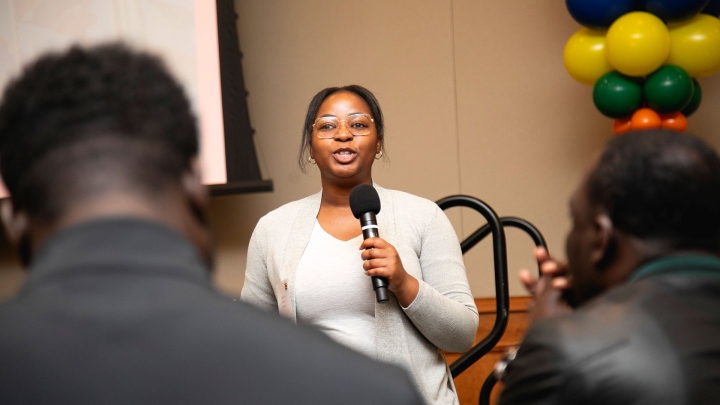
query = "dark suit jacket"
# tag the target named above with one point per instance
(121, 311)
(655, 340)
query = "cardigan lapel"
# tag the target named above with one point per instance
(300, 233)
(389, 317)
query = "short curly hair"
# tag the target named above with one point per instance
(661, 185)
(88, 119)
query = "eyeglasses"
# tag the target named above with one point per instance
(357, 124)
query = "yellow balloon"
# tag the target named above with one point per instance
(695, 45)
(585, 56)
(637, 43)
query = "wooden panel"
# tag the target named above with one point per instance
(468, 383)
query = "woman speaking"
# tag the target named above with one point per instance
(308, 260)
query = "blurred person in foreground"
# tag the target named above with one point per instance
(643, 265)
(98, 149)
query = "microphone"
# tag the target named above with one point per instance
(365, 204)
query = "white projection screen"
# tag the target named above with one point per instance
(183, 32)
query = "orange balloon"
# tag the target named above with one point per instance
(645, 118)
(621, 125)
(675, 121)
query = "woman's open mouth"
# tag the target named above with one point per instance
(344, 156)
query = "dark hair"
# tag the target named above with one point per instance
(92, 119)
(660, 185)
(314, 106)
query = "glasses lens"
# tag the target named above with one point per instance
(356, 124)
(326, 127)
(359, 124)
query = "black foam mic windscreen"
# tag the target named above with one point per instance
(363, 199)
(365, 203)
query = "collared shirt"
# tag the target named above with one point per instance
(686, 264)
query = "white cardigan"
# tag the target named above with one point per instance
(442, 316)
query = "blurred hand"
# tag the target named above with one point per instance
(548, 290)
(382, 260)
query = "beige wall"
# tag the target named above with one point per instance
(476, 101)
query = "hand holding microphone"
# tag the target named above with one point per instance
(382, 260)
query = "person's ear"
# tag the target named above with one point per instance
(17, 229)
(602, 248)
(378, 146)
(15, 223)
(197, 197)
(193, 187)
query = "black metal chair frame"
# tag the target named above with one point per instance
(495, 226)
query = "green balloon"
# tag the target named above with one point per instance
(616, 95)
(668, 89)
(695, 102)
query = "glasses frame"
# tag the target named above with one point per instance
(341, 123)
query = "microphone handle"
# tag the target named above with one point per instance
(370, 230)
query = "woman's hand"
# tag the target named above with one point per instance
(382, 260)
(547, 292)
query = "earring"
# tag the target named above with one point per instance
(311, 160)
(378, 155)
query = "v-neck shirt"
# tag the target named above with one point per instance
(333, 293)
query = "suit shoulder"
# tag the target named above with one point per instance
(298, 353)
(10, 312)
(602, 324)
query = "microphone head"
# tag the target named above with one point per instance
(364, 198)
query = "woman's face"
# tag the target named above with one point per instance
(345, 159)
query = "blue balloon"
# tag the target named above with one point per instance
(713, 8)
(598, 14)
(674, 10)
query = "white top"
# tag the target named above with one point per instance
(333, 293)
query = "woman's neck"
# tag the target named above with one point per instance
(337, 195)
(335, 215)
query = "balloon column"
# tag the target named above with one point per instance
(643, 57)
